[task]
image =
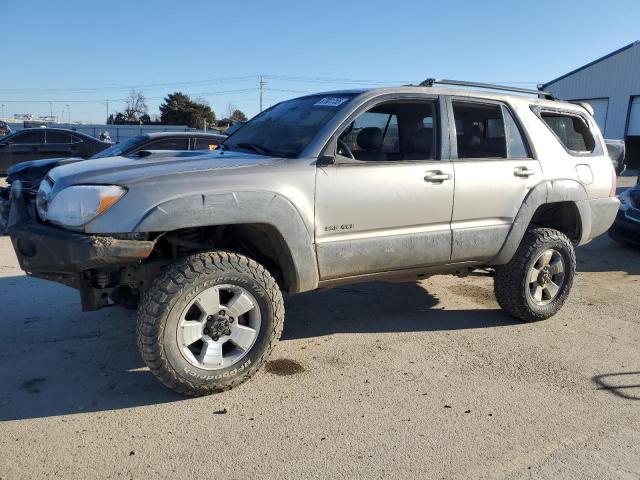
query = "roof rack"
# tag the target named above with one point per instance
(429, 82)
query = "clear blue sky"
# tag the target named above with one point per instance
(81, 52)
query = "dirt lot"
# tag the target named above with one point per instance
(425, 380)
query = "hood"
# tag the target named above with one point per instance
(31, 173)
(133, 169)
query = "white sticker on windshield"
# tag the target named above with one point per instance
(330, 101)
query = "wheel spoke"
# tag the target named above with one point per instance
(191, 331)
(552, 289)
(556, 267)
(242, 336)
(533, 275)
(537, 293)
(239, 305)
(545, 258)
(209, 301)
(211, 354)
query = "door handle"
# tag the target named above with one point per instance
(523, 172)
(437, 176)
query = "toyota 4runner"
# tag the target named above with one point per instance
(390, 184)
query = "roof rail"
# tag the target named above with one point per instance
(429, 82)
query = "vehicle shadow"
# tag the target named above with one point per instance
(622, 384)
(379, 308)
(57, 360)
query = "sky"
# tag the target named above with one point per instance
(70, 56)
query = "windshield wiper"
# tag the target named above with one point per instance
(256, 148)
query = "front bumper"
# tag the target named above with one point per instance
(55, 253)
(626, 227)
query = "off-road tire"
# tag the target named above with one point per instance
(510, 281)
(167, 296)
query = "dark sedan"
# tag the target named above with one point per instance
(36, 143)
(626, 228)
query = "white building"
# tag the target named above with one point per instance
(611, 85)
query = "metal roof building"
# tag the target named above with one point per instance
(611, 85)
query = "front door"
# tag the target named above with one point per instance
(494, 173)
(386, 202)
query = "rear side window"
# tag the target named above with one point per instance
(180, 143)
(479, 130)
(58, 137)
(203, 143)
(572, 131)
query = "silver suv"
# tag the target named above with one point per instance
(326, 189)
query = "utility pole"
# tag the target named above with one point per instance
(69, 112)
(50, 109)
(107, 101)
(262, 84)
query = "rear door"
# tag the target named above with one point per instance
(58, 144)
(494, 172)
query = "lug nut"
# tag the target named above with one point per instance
(221, 312)
(206, 331)
(215, 338)
(231, 320)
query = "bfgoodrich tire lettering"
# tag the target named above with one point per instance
(163, 303)
(515, 283)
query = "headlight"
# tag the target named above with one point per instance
(75, 206)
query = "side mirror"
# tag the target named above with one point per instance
(325, 160)
(328, 155)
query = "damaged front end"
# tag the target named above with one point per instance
(96, 265)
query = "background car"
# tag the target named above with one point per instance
(31, 173)
(626, 228)
(34, 143)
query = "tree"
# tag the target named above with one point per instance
(234, 114)
(136, 106)
(238, 116)
(178, 109)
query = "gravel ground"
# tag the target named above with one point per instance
(424, 380)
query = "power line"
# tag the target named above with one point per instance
(139, 86)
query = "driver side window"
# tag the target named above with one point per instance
(392, 131)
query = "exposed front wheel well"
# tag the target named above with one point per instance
(258, 241)
(561, 216)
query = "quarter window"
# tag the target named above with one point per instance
(572, 131)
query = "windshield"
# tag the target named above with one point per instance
(287, 128)
(121, 148)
